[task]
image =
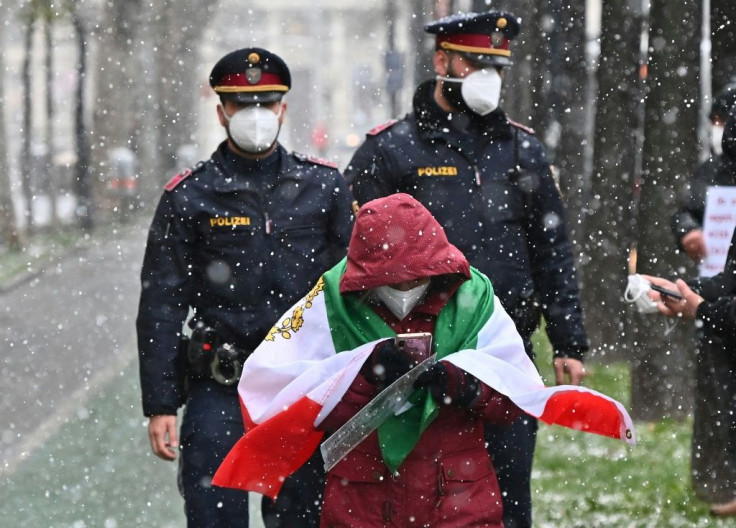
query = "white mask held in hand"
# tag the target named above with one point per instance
(482, 90)
(716, 139)
(253, 129)
(401, 302)
(636, 292)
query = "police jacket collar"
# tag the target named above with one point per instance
(433, 123)
(227, 180)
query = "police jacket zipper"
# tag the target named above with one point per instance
(268, 223)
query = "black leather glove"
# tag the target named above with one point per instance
(450, 385)
(386, 364)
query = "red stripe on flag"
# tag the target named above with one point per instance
(271, 451)
(247, 420)
(584, 411)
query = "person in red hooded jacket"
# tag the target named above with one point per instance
(333, 352)
(447, 478)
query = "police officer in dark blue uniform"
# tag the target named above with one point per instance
(488, 182)
(238, 239)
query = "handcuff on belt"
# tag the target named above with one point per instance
(207, 356)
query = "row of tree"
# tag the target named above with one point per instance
(137, 93)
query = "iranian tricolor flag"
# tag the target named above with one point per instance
(296, 377)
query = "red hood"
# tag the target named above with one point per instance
(396, 239)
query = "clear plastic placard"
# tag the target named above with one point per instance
(390, 401)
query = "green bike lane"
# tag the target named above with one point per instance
(96, 469)
(74, 448)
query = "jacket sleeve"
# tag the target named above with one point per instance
(553, 264)
(689, 216)
(369, 173)
(164, 304)
(718, 311)
(719, 317)
(495, 407)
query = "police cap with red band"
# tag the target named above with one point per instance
(482, 37)
(251, 75)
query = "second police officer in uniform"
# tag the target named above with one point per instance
(238, 239)
(488, 182)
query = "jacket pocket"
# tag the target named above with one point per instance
(468, 493)
(301, 238)
(467, 466)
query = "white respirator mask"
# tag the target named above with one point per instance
(253, 129)
(636, 292)
(716, 139)
(400, 302)
(481, 90)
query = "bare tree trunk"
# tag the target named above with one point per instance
(11, 235)
(83, 180)
(565, 131)
(603, 266)
(723, 24)
(25, 151)
(662, 381)
(51, 175)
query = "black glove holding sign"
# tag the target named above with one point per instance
(386, 364)
(450, 385)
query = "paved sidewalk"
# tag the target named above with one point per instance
(74, 447)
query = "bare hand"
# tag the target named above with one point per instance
(694, 244)
(686, 307)
(571, 367)
(662, 283)
(163, 436)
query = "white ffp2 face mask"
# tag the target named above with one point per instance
(636, 292)
(253, 129)
(716, 139)
(399, 302)
(481, 90)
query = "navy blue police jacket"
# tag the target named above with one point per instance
(488, 183)
(239, 251)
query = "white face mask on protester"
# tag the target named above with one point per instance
(481, 90)
(716, 139)
(253, 129)
(401, 302)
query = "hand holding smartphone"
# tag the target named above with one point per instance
(416, 346)
(664, 291)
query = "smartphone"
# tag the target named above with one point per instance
(668, 293)
(417, 346)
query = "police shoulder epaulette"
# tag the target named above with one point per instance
(380, 128)
(322, 161)
(312, 159)
(525, 128)
(176, 180)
